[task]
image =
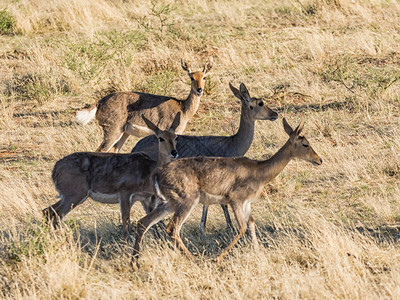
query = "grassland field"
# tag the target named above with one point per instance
(327, 232)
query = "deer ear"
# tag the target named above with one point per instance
(176, 122)
(239, 94)
(151, 125)
(208, 66)
(287, 127)
(185, 65)
(244, 91)
(235, 91)
(299, 128)
(295, 133)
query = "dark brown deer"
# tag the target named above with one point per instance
(110, 178)
(238, 181)
(119, 114)
(223, 146)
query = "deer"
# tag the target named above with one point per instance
(110, 178)
(252, 109)
(233, 181)
(119, 114)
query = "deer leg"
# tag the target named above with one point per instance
(253, 235)
(240, 217)
(149, 204)
(125, 206)
(250, 223)
(117, 147)
(51, 215)
(176, 224)
(170, 226)
(203, 219)
(111, 136)
(58, 210)
(145, 223)
(227, 216)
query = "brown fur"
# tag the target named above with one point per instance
(119, 114)
(223, 146)
(234, 181)
(109, 178)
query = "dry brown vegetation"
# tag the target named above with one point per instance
(327, 232)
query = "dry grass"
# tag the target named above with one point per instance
(328, 232)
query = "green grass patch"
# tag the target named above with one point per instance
(7, 23)
(160, 83)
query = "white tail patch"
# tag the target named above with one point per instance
(158, 192)
(85, 116)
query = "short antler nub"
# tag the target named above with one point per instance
(185, 65)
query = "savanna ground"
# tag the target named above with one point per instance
(327, 232)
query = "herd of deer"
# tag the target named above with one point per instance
(210, 169)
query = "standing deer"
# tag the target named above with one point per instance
(234, 181)
(119, 114)
(223, 146)
(110, 178)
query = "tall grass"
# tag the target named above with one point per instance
(327, 232)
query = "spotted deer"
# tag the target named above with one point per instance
(110, 178)
(119, 114)
(223, 146)
(234, 181)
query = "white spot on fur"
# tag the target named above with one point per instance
(130, 199)
(247, 209)
(208, 199)
(85, 116)
(158, 191)
(104, 198)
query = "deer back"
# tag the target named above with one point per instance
(103, 172)
(226, 177)
(191, 146)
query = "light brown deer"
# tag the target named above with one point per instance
(223, 146)
(110, 178)
(237, 182)
(119, 114)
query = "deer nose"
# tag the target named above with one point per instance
(274, 116)
(318, 162)
(199, 90)
(174, 153)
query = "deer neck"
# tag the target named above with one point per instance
(243, 138)
(191, 104)
(162, 159)
(270, 168)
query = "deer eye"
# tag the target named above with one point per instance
(261, 104)
(251, 107)
(161, 139)
(306, 145)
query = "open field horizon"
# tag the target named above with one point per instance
(327, 232)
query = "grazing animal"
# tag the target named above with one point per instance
(223, 146)
(110, 178)
(234, 181)
(119, 114)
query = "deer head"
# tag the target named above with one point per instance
(256, 108)
(198, 78)
(301, 148)
(166, 138)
